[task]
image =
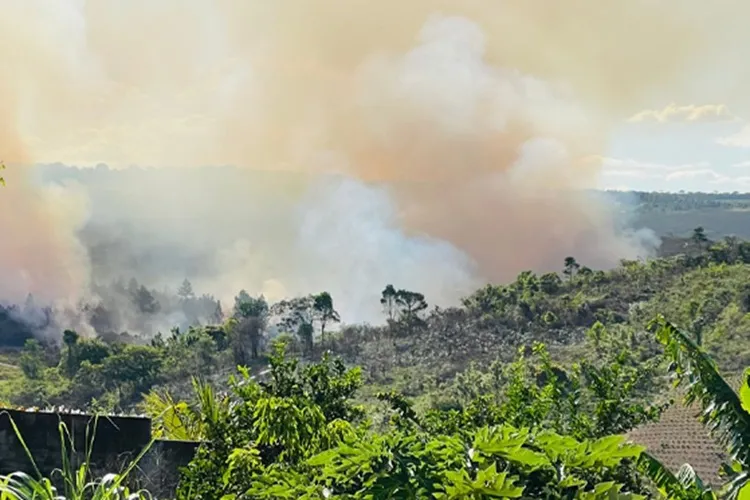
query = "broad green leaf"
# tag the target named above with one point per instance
(745, 391)
(744, 492)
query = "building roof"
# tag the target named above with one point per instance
(679, 438)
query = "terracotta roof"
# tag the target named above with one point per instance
(679, 438)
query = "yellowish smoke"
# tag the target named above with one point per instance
(475, 115)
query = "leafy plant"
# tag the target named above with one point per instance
(172, 419)
(685, 485)
(299, 436)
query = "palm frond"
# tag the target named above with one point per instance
(686, 485)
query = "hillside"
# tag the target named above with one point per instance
(719, 222)
(677, 214)
(420, 350)
(565, 350)
(568, 352)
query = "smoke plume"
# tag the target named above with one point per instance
(436, 144)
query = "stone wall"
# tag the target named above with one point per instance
(113, 441)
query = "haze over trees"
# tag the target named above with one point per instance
(547, 364)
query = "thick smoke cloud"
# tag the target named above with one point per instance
(461, 133)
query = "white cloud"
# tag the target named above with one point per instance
(631, 173)
(742, 164)
(705, 174)
(740, 139)
(706, 113)
(636, 168)
(618, 173)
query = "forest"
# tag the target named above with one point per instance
(524, 390)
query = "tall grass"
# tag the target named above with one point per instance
(77, 482)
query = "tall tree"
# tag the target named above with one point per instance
(218, 315)
(324, 312)
(145, 301)
(404, 305)
(185, 291)
(70, 340)
(297, 315)
(32, 359)
(699, 236)
(388, 301)
(251, 319)
(246, 306)
(570, 268)
(410, 303)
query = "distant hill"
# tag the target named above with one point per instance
(718, 222)
(668, 214)
(677, 214)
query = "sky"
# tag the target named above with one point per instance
(675, 148)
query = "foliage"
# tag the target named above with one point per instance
(297, 411)
(247, 326)
(185, 292)
(324, 312)
(498, 461)
(571, 267)
(685, 485)
(419, 352)
(541, 353)
(699, 235)
(298, 435)
(31, 360)
(172, 419)
(403, 308)
(587, 400)
(300, 314)
(530, 441)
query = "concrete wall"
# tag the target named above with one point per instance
(159, 470)
(116, 442)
